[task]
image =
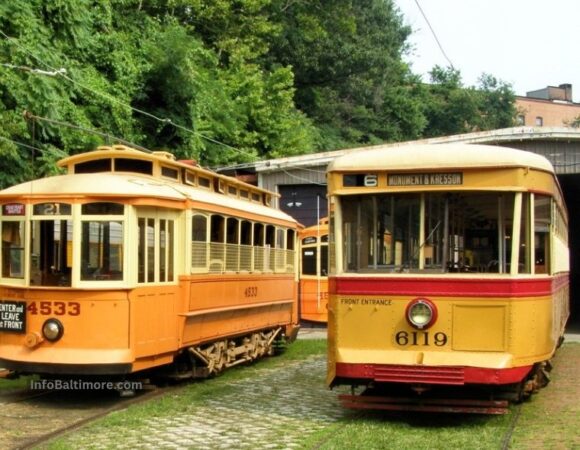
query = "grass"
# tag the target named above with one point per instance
(370, 430)
(550, 419)
(7, 385)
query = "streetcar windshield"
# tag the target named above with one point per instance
(438, 232)
(102, 242)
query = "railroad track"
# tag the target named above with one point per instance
(30, 418)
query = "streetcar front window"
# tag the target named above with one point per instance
(102, 241)
(102, 250)
(51, 252)
(433, 232)
(309, 256)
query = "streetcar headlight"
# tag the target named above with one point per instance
(52, 330)
(421, 313)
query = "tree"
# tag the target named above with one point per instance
(154, 74)
(219, 81)
(347, 61)
(451, 108)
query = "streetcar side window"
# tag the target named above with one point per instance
(246, 246)
(270, 246)
(232, 244)
(279, 252)
(146, 250)
(542, 225)
(166, 256)
(156, 250)
(258, 243)
(199, 248)
(13, 249)
(239, 245)
(13, 228)
(525, 247)
(290, 242)
(217, 244)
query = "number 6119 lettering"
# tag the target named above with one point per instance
(404, 338)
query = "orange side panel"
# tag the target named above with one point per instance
(232, 305)
(93, 321)
(154, 320)
(314, 299)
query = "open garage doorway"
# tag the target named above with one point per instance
(571, 188)
(305, 202)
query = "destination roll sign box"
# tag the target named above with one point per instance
(13, 316)
(425, 179)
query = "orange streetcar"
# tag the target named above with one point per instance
(133, 260)
(314, 272)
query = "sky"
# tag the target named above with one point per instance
(530, 44)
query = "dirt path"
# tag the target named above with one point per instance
(28, 416)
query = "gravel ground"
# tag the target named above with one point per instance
(276, 411)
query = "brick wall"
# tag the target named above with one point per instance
(553, 114)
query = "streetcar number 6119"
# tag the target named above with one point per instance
(424, 338)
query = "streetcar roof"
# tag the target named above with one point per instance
(106, 184)
(439, 156)
(159, 158)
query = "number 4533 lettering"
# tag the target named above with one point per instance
(54, 308)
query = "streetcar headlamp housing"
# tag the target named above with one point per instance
(421, 313)
(52, 330)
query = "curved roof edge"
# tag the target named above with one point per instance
(503, 135)
(441, 156)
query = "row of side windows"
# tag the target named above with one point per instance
(231, 244)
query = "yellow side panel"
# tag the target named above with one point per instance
(469, 320)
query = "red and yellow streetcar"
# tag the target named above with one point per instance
(448, 278)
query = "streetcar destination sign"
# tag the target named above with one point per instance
(12, 316)
(426, 179)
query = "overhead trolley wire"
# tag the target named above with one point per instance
(29, 116)
(434, 34)
(62, 72)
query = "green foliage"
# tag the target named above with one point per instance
(451, 108)
(220, 81)
(350, 78)
(176, 75)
